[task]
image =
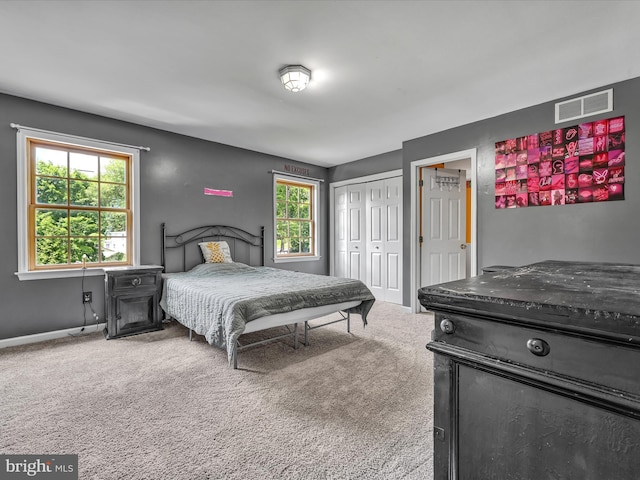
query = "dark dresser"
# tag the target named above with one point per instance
(537, 373)
(131, 300)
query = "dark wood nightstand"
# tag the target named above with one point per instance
(131, 300)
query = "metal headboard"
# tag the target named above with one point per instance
(241, 243)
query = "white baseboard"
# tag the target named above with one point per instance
(41, 337)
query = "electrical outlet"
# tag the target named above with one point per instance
(87, 297)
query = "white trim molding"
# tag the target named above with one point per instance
(23, 133)
(332, 191)
(415, 254)
(43, 337)
(316, 216)
(367, 178)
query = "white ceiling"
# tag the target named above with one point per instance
(383, 71)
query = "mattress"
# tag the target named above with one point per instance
(218, 300)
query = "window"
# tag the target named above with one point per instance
(295, 219)
(77, 205)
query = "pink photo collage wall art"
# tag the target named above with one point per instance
(579, 164)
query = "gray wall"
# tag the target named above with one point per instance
(173, 176)
(606, 232)
(178, 168)
(384, 162)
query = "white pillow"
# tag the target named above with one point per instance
(216, 252)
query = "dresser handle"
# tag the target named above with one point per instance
(447, 326)
(538, 347)
(136, 281)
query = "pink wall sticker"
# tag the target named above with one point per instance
(218, 193)
(578, 164)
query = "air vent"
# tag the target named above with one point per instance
(581, 107)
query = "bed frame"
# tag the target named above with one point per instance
(245, 247)
(242, 244)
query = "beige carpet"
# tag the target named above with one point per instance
(155, 406)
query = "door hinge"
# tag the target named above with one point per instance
(420, 239)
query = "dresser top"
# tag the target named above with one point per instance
(600, 296)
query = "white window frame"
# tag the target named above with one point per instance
(25, 133)
(315, 211)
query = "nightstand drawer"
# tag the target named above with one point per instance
(587, 359)
(135, 280)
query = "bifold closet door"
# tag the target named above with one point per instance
(340, 235)
(393, 243)
(356, 232)
(368, 236)
(384, 238)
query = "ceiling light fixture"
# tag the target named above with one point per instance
(295, 78)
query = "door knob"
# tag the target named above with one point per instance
(463, 246)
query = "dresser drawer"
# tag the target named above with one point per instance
(597, 361)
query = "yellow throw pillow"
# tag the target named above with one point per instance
(216, 252)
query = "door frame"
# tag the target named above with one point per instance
(415, 211)
(332, 191)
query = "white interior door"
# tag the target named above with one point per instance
(393, 240)
(356, 232)
(367, 234)
(340, 232)
(376, 226)
(443, 255)
(384, 239)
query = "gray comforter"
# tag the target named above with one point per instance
(217, 299)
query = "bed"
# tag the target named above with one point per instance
(215, 283)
